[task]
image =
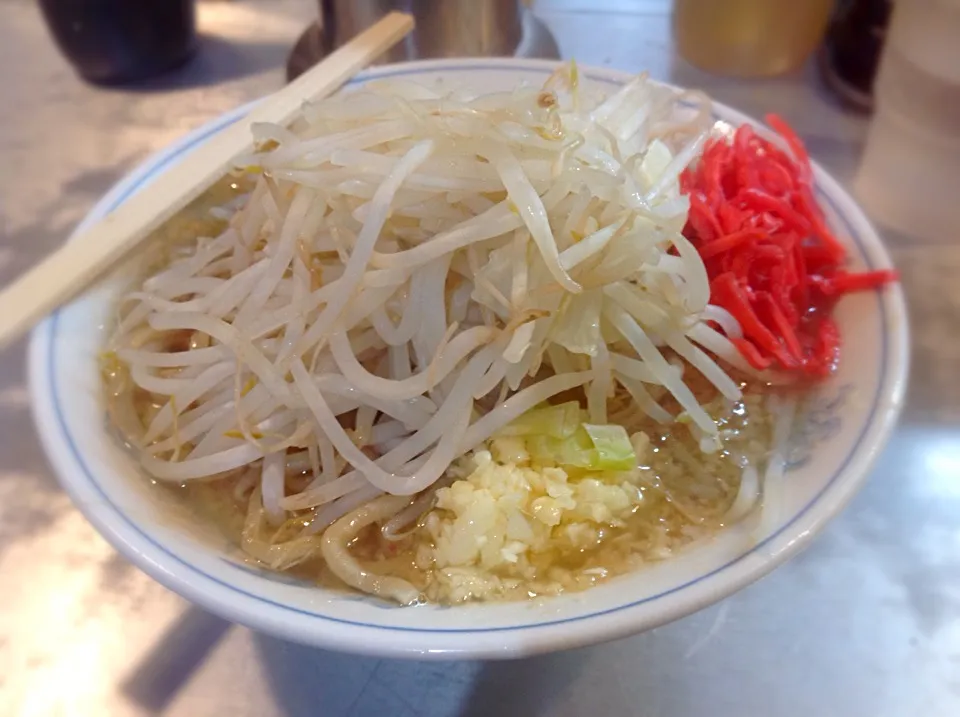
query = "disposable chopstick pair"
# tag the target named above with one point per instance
(90, 254)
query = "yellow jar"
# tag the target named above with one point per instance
(749, 38)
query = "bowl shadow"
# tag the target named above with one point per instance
(303, 679)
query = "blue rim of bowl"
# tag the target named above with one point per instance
(431, 68)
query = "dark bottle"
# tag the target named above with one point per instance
(852, 49)
(113, 41)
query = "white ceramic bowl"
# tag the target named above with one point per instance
(856, 410)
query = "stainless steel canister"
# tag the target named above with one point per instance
(444, 28)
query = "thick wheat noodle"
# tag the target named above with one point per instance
(335, 551)
(423, 502)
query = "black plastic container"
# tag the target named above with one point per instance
(114, 41)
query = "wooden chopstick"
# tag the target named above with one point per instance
(91, 253)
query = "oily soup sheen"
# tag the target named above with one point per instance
(449, 348)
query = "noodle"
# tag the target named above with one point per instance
(335, 552)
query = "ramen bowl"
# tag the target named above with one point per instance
(830, 452)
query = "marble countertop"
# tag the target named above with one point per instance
(865, 623)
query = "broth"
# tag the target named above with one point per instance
(685, 494)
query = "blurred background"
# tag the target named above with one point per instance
(867, 622)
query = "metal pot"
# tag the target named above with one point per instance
(445, 28)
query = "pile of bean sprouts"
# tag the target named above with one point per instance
(413, 269)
